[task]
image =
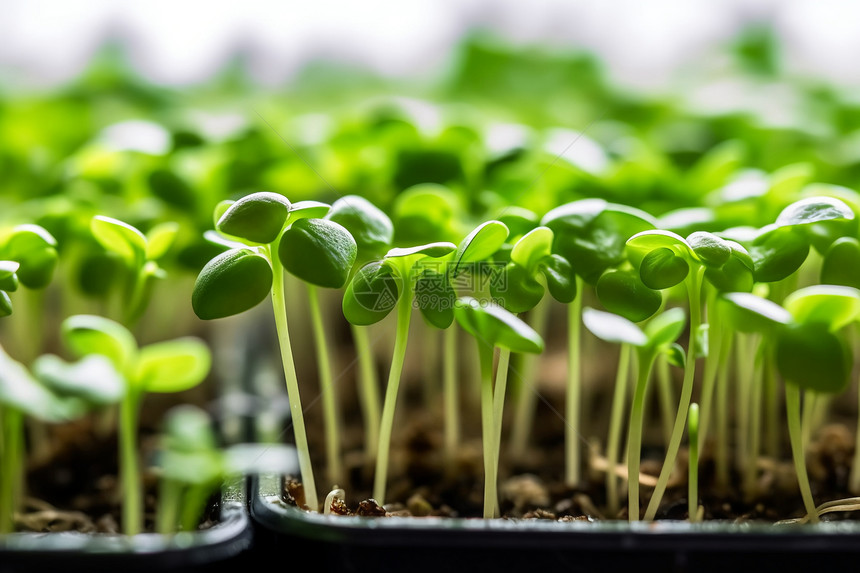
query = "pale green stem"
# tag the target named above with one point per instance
(615, 422)
(712, 364)
(693, 481)
(404, 313)
(771, 409)
(368, 391)
(430, 348)
(634, 433)
(754, 439)
(527, 396)
(452, 401)
(298, 419)
(574, 388)
(721, 461)
(329, 398)
(132, 495)
(169, 500)
(499, 389)
(10, 466)
(487, 429)
(193, 505)
(744, 363)
(667, 398)
(694, 288)
(792, 408)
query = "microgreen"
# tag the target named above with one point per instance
(373, 292)
(493, 326)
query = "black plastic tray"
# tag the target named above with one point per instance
(338, 543)
(217, 548)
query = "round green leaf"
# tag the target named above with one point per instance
(20, 390)
(711, 250)
(36, 251)
(814, 358)
(532, 247)
(841, 264)
(258, 217)
(517, 290)
(613, 328)
(748, 312)
(369, 226)
(832, 305)
(601, 244)
(188, 428)
(492, 324)
(643, 243)
(8, 276)
(559, 276)
(623, 293)
(160, 238)
(574, 215)
(518, 220)
(666, 327)
(433, 250)
(736, 275)
(318, 251)
(172, 366)
(86, 334)
(371, 294)
(308, 210)
(120, 238)
(480, 244)
(662, 268)
(93, 378)
(231, 283)
(435, 298)
(777, 252)
(424, 213)
(814, 210)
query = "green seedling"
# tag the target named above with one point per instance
(664, 260)
(8, 283)
(321, 253)
(462, 272)
(810, 352)
(372, 293)
(162, 367)
(532, 271)
(373, 233)
(139, 254)
(252, 268)
(193, 466)
(493, 326)
(54, 391)
(693, 464)
(658, 337)
(591, 234)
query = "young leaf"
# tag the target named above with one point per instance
(777, 252)
(493, 325)
(814, 210)
(662, 268)
(371, 294)
(736, 275)
(832, 305)
(480, 244)
(369, 226)
(435, 298)
(172, 366)
(20, 390)
(532, 247)
(258, 217)
(159, 240)
(711, 250)
(8, 276)
(518, 291)
(812, 357)
(318, 251)
(86, 334)
(120, 238)
(308, 210)
(559, 276)
(613, 328)
(748, 312)
(93, 378)
(5, 304)
(623, 293)
(666, 327)
(231, 283)
(36, 251)
(841, 264)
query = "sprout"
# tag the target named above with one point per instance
(237, 280)
(372, 293)
(493, 326)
